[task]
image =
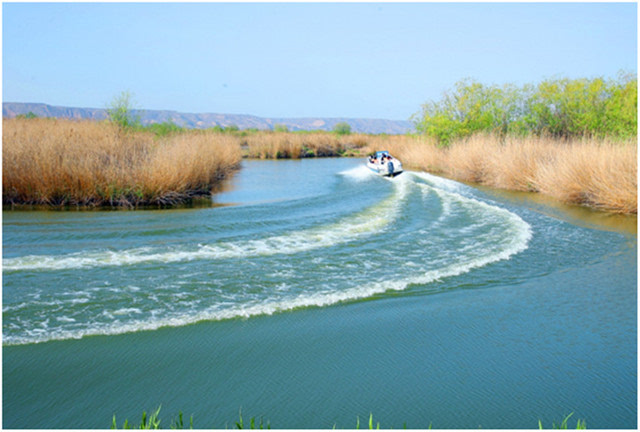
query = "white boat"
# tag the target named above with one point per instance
(382, 163)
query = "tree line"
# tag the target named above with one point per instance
(560, 108)
(121, 111)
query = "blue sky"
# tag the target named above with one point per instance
(374, 60)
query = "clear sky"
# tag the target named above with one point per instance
(374, 60)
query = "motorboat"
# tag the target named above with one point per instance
(382, 163)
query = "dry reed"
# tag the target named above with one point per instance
(62, 162)
(590, 172)
(285, 145)
(597, 174)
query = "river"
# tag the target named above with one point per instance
(313, 293)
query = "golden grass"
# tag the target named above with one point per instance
(264, 145)
(412, 152)
(598, 174)
(279, 145)
(515, 163)
(62, 162)
(595, 173)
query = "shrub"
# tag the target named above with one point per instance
(29, 115)
(342, 128)
(121, 112)
(560, 108)
(165, 128)
(280, 128)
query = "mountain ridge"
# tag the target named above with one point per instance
(209, 120)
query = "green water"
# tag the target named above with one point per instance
(314, 293)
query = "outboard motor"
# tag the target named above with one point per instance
(390, 168)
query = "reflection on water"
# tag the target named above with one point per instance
(262, 181)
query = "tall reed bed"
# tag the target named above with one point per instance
(285, 145)
(597, 173)
(62, 162)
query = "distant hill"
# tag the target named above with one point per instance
(208, 120)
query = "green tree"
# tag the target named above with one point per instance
(620, 110)
(30, 115)
(342, 128)
(471, 107)
(280, 128)
(165, 128)
(559, 107)
(121, 111)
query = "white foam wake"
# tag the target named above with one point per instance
(359, 173)
(270, 307)
(368, 222)
(513, 233)
(441, 182)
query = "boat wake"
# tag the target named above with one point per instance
(421, 229)
(370, 221)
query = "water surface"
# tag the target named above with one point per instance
(318, 293)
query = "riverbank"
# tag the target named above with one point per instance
(297, 145)
(596, 173)
(600, 174)
(89, 164)
(97, 164)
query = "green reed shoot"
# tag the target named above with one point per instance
(581, 424)
(252, 423)
(152, 421)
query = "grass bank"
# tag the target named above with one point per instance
(597, 173)
(62, 162)
(84, 163)
(296, 145)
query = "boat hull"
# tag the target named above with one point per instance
(384, 169)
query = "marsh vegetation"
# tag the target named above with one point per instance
(153, 421)
(598, 173)
(570, 139)
(63, 162)
(83, 163)
(560, 108)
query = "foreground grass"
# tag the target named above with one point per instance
(153, 421)
(597, 173)
(62, 162)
